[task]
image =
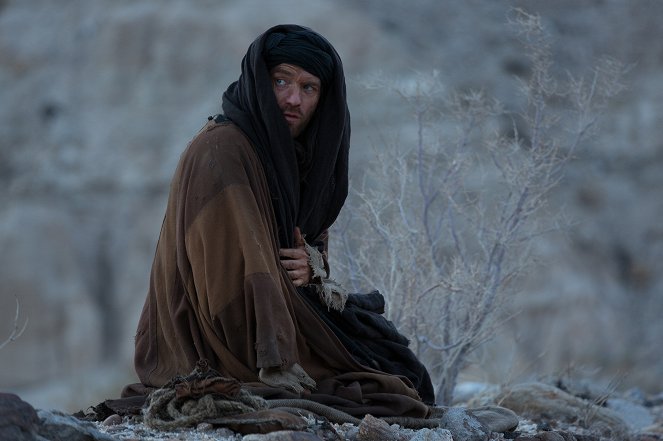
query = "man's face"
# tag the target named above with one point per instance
(297, 94)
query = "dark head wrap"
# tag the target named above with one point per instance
(309, 196)
(301, 48)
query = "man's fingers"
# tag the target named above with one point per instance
(292, 265)
(297, 273)
(288, 264)
(293, 253)
(298, 277)
(299, 239)
(295, 261)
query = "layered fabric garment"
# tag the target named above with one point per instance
(218, 291)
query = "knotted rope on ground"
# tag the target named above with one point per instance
(202, 395)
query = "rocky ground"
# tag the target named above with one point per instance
(563, 411)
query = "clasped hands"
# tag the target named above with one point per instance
(296, 261)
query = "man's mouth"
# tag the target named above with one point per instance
(291, 117)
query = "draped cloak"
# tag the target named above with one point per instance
(218, 291)
(217, 288)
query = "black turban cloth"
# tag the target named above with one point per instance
(306, 192)
(301, 48)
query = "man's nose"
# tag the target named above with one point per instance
(294, 97)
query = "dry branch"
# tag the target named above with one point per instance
(455, 216)
(16, 331)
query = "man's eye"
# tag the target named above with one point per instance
(310, 88)
(279, 82)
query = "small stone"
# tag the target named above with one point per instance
(325, 430)
(204, 427)
(656, 429)
(550, 436)
(647, 437)
(115, 429)
(375, 429)
(568, 436)
(224, 432)
(283, 435)
(636, 395)
(544, 426)
(112, 420)
(462, 425)
(656, 400)
(495, 418)
(635, 415)
(349, 431)
(58, 426)
(432, 435)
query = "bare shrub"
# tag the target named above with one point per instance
(16, 331)
(443, 221)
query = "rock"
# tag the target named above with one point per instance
(349, 431)
(283, 435)
(112, 420)
(375, 429)
(547, 436)
(224, 433)
(647, 437)
(325, 430)
(636, 395)
(432, 435)
(654, 428)
(463, 425)
(636, 416)
(568, 436)
(580, 437)
(550, 436)
(656, 400)
(536, 399)
(204, 427)
(58, 426)
(18, 419)
(582, 388)
(495, 418)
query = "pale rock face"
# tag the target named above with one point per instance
(98, 99)
(41, 268)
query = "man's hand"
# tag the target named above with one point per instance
(295, 261)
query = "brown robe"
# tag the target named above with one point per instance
(218, 290)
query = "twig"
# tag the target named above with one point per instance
(16, 332)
